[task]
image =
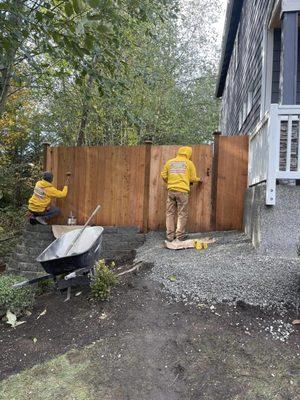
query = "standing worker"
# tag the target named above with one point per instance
(39, 203)
(179, 173)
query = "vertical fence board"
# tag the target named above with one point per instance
(200, 197)
(232, 176)
(126, 182)
(110, 176)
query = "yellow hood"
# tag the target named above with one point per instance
(185, 151)
(44, 184)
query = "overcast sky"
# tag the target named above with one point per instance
(220, 23)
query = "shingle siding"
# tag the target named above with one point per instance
(248, 74)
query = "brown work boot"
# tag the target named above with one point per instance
(183, 238)
(170, 239)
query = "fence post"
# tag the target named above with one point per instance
(46, 146)
(147, 171)
(214, 186)
(273, 156)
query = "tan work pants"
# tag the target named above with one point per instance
(176, 202)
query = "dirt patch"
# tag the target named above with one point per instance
(140, 346)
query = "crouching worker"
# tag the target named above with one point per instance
(178, 173)
(39, 203)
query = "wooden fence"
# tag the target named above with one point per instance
(126, 182)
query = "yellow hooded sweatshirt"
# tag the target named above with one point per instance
(179, 172)
(44, 191)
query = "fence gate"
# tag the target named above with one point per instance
(230, 182)
(126, 181)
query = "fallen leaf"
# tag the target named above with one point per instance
(12, 319)
(103, 316)
(172, 278)
(34, 340)
(42, 313)
(78, 294)
(28, 313)
(296, 322)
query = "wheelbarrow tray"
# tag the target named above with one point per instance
(84, 254)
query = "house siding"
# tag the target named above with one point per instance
(298, 71)
(246, 76)
(275, 98)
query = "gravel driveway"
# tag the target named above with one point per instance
(230, 271)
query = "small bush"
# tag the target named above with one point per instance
(102, 278)
(15, 300)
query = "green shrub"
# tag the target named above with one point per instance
(15, 300)
(102, 278)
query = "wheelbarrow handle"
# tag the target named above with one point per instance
(82, 230)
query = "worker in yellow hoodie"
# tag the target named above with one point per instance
(179, 173)
(39, 203)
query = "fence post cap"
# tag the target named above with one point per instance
(46, 144)
(217, 133)
(148, 141)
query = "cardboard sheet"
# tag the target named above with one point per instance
(189, 244)
(59, 230)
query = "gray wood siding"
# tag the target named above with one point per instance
(248, 74)
(298, 71)
(276, 66)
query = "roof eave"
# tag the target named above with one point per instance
(233, 15)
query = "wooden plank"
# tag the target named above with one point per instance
(146, 195)
(231, 182)
(200, 197)
(214, 180)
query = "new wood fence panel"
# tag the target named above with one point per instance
(110, 176)
(200, 197)
(232, 176)
(117, 178)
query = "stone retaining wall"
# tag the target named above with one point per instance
(119, 245)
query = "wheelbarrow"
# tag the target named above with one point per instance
(79, 261)
(73, 254)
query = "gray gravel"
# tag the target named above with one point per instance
(230, 270)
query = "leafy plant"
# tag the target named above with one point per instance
(102, 279)
(15, 300)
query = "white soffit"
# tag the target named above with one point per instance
(290, 5)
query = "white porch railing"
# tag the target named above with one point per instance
(274, 151)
